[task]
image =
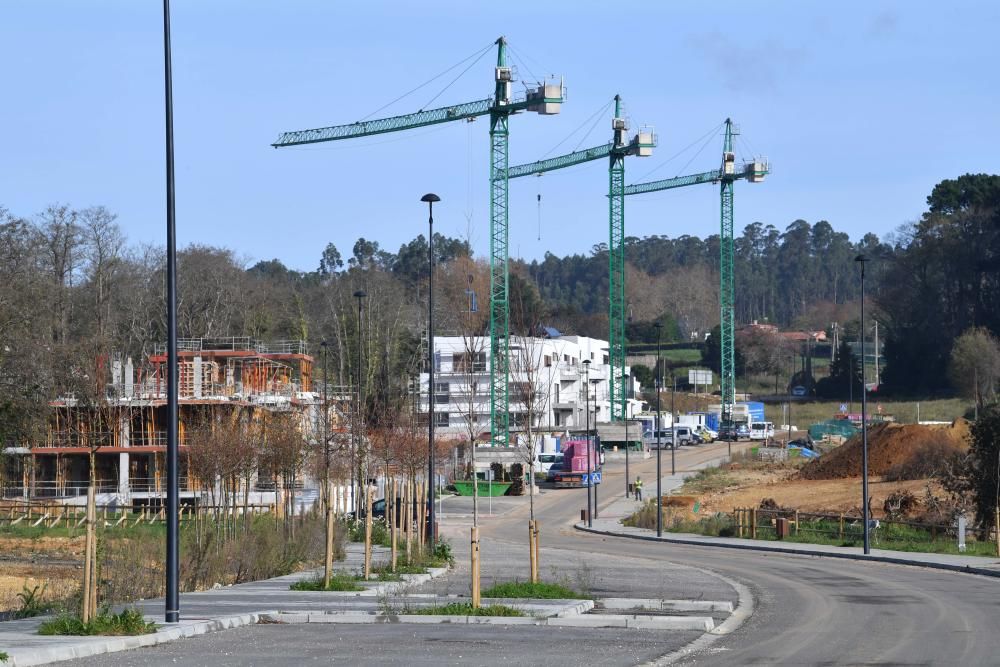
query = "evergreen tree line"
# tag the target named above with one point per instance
(72, 287)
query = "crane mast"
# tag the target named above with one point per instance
(726, 175)
(546, 99)
(727, 366)
(499, 256)
(616, 151)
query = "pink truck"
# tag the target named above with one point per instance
(577, 470)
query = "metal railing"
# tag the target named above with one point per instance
(235, 343)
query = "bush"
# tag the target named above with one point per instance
(31, 602)
(442, 552)
(127, 622)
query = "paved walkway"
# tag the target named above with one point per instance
(204, 611)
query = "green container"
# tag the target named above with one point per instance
(464, 488)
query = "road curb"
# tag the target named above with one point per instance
(100, 646)
(895, 560)
(89, 646)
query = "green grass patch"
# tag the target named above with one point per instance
(541, 591)
(4, 657)
(810, 412)
(339, 581)
(127, 622)
(466, 609)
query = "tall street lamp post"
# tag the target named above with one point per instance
(172, 611)
(590, 467)
(360, 418)
(430, 198)
(657, 383)
(861, 259)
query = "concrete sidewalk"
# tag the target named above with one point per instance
(609, 523)
(207, 611)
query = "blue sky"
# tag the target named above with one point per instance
(860, 106)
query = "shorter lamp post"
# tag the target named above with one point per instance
(430, 198)
(657, 382)
(360, 421)
(673, 429)
(590, 467)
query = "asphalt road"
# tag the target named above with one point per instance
(815, 611)
(808, 610)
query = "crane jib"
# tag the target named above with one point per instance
(408, 121)
(382, 125)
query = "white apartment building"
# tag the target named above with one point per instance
(554, 366)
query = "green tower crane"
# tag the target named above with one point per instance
(545, 99)
(727, 174)
(616, 150)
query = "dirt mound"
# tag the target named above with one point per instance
(889, 446)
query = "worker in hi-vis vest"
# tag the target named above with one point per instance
(637, 485)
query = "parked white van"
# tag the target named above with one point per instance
(761, 430)
(545, 460)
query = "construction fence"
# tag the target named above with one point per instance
(846, 530)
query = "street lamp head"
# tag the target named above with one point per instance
(586, 362)
(430, 198)
(322, 344)
(658, 325)
(861, 258)
(360, 294)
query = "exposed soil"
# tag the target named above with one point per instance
(822, 496)
(889, 445)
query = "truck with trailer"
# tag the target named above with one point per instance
(579, 469)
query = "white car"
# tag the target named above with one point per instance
(545, 460)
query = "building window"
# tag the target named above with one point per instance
(469, 362)
(548, 361)
(520, 392)
(441, 393)
(555, 419)
(565, 358)
(441, 419)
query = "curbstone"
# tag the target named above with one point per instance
(701, 623)
(596, 621)
(875, 558)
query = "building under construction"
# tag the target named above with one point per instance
(125, 430)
